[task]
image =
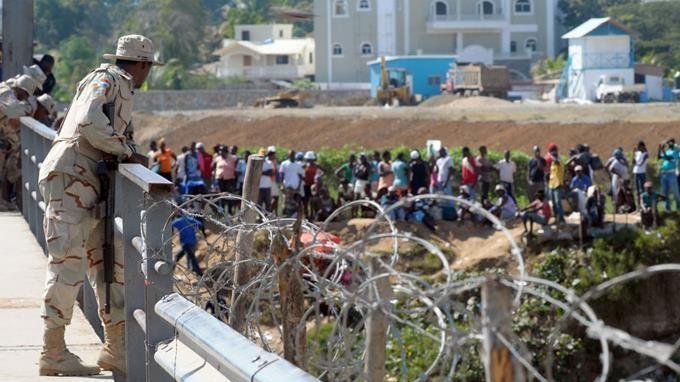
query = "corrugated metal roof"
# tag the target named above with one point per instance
(585, 28)
(275, 47)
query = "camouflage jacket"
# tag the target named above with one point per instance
(86, 133)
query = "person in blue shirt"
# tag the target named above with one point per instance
(669, 157)
(187, 226)
(400, 170)
(578, 186)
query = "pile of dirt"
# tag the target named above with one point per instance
(457, 102)
(312, 133)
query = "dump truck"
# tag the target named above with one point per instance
(287, 99)
(395, 86)
(612, 88)
(475, 79)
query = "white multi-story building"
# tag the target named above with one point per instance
(265, 52)
(350, 33)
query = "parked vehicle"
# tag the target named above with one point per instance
(469, 79)
(612, 88)
(395, 86)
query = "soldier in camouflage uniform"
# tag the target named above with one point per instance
(70, 187)
(16, 101)
(46, 112)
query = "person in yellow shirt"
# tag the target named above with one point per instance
(555, 183)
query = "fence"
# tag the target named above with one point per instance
(160, 324)
(341, 311)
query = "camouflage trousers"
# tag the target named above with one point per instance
(74, 243)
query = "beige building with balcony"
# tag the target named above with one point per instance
(265, 52)
(350, 33)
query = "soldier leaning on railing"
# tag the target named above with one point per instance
(70, 186)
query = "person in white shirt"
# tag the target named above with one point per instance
(640, 168)
(444, 172)
(291, 174)
(181, 168)
(265, 198)
(507, 169)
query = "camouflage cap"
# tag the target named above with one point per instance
(48, 103)
(36, 74)
(26, 83)
(134, 47)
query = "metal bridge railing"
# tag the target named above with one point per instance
(168, 338)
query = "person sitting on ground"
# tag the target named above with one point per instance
(538, 211)
(187, 227)
(324, 205)
(465, 212)
(345, 194)
(578, 187)
(505, 207)
(595, 207)
(420, 211)
(649, 213)
(389, 199)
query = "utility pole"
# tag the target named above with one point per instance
(17, 36)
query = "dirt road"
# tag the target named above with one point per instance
(500, 126)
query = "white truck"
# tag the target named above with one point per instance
(612, 88)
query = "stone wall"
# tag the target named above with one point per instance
(168, 100)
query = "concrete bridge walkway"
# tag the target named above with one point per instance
(22, 276)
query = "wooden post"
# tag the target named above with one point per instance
(244, 241)
(17, 36)
(291, 297)
(499, 364)
(376, 327)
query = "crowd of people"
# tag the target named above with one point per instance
(26, 94)
(555, 185)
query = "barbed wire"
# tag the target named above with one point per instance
(345, 281)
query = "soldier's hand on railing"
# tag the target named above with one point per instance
(138, 158)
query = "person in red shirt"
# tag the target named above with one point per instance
(539, 211)
(312, 175)
(205, 164)
(469, 172)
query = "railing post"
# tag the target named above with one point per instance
(380, 295)
(499, 363)
(157, 233)
(24, 133)
(128, 206)
(251, 191)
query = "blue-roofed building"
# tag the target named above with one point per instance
(599, 47)
(425, 73)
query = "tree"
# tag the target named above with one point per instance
(575, 12)
(77, 58)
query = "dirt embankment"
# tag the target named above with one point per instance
(409, 126)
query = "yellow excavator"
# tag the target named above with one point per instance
(395, 86)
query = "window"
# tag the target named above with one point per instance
(337, 50)
(245, 35)
(513, 46)
(364, 5)
(434, 81)
(340, 8)
(485, 7)
(282, 60)
(281, 34)
(440, 8)
(531, 45)
(311, 57)
(523, 6)
(366, 49)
